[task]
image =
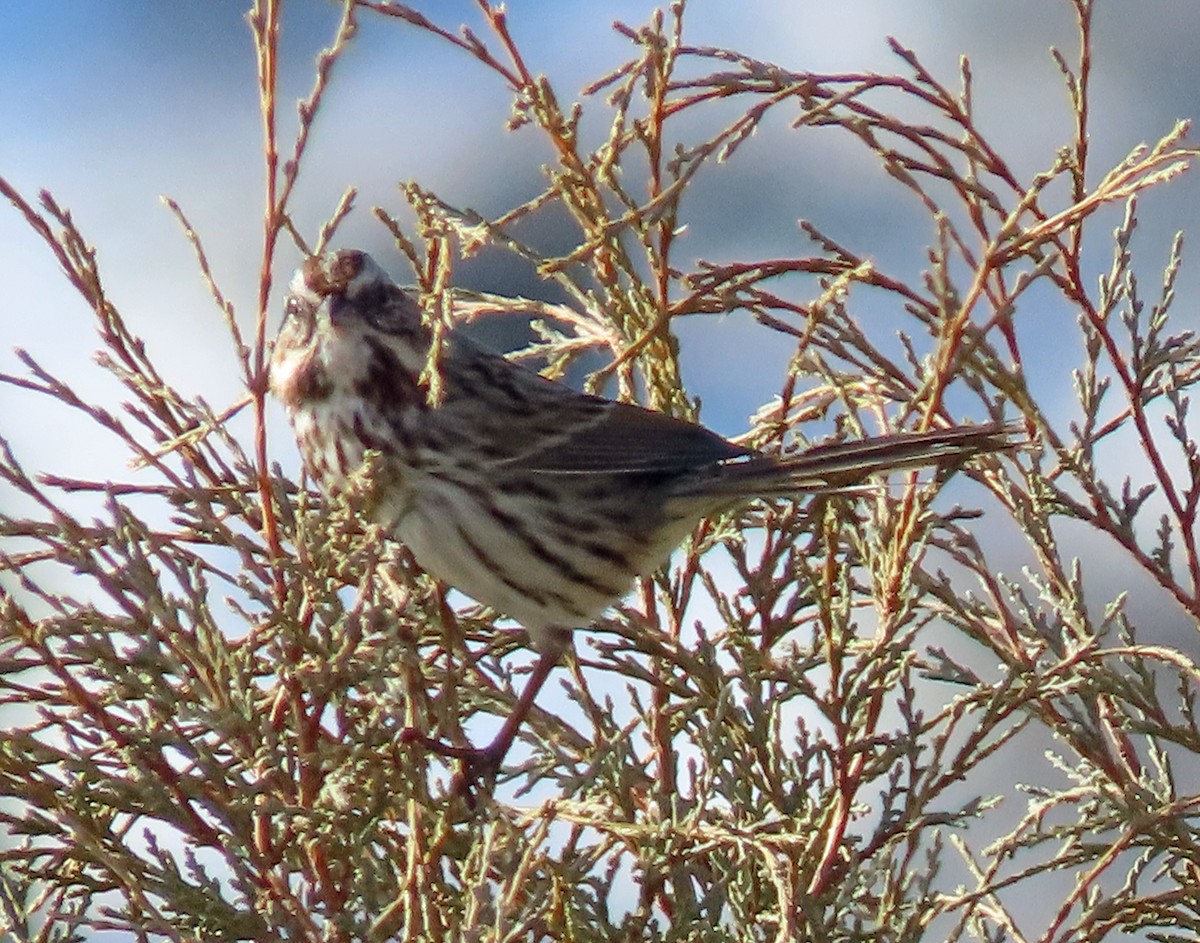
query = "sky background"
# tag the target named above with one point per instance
(110, 104)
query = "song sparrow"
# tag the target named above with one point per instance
(536, 500)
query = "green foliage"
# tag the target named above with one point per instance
(205, 682)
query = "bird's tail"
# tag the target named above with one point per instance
(847, 464)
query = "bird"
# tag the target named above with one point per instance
(539, 501)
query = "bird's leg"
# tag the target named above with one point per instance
(483, 762)
(486, 761)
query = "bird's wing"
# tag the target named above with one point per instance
(539, 425)
(620, 438)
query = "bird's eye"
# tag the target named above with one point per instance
(292, 307)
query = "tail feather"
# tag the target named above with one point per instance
(846, 464)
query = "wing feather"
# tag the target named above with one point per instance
(546, 427)
(630, 439)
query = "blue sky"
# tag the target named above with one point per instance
(111, 104)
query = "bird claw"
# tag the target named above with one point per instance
(476, 764)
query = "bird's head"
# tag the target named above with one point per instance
(341, 313)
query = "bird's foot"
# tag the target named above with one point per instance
(476, 765)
